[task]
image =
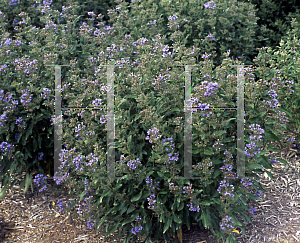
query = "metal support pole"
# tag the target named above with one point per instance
(57, 125)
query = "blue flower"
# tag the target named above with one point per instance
(13, 2)
(257, 194)
(252, 210)
(210, 5)
(211, 36)
(136, 230)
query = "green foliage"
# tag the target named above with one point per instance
(228, 28)
(284, 60)
(276, 16)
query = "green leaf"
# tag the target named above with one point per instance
(272, 135)
(167, 225)
(204, 219)
(196, 151)
(12, 127)
(73, 48)
(137, 117)
(176, 218)
(199, 191)
(38, 118)
(251, 196)
(45, 112)
(105, 193)
(28, 181)
(265, 162)
(247, 218)
(113, 229)
(82, 195)
(55, 39)
(19, 153)
(27, 154)
(130, 209)
(243, 217)
(39, 140)
(129, 220)
(160, 174)
(123, 207)
(7, 137)
(101, 221)
(208, 151)
(172, 207)
(220, 133)
(258, 185)
(131, 96)
(72, 204)
(254, 166)
(163, 192)
(181, 206)
(14, 182)
(22, 185)
(137, 197)
(175, 109)
(13, 166)
(34, 145)
(205, 203)
(269, 174)
(118, 186)
(282, 161)
(272, 148)
(29, 131)
(121, 102)
(3, 191)
(187, 219)
(149, 173)
(243, 200)
(216, 173)
(19, 138)
(227, 122)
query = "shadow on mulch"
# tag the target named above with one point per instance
(6, 228)
(196, 234)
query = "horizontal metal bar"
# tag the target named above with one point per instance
(58, 65)
(80, 108)
(222, 108)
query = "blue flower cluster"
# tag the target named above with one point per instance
(152, 197)
(136, 229)
(40, 179)
(13, 2)
(226, 185)
(226, 223)
(246, 183)
(210, 5)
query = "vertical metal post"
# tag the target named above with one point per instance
(240, 122)
(57, 125)
(188, 127)
(110, 124)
